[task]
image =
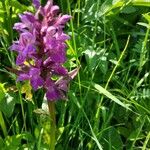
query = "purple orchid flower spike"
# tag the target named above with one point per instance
(41, 50)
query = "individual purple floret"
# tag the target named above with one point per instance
(41, 50)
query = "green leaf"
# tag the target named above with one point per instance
(129, 10)
(109, 5)
(144, 24)
(14, 142)
(102, 90)
(16, 5)
(7, 105)
(1, 142)
(90, 56)
(103, 65)
(141, 3)
(123, 131)
(111, 140)
(2, 91)
(147, 16)
(95, 58)
(134, 134)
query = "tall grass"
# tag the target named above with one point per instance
(109, 100)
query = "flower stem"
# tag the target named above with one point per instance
(51, 106)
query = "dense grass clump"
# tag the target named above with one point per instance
(108, 102)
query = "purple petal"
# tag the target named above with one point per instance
(43, 29)
(36, 82)
(63, 37)
(54, 10)
(29, 50)
(58, 54)
(50, 43)
(34, 72)
(27, 17)
(35, 78)
(63, 19)
(51, 30)
(48, 6)
(52, 94)
(20, 59)
(58, 58)
(58, 69)
(39, 12)
(62, 84)
(19, 26)
(38, 63)
(26, 38)
(48, 83)
(36, 3)
(16, 47)
(23, 77)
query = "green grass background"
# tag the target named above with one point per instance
(108, 104)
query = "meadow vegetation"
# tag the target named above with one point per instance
(108, 102)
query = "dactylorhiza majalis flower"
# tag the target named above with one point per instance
(42, 50)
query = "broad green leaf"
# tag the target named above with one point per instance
(102, 90)
(90, 56)
(14, 142)
(7, 105)
(103, 64)
(134, 136)
(95, 58)
(129, 10)
(111, 140)
(123, 131)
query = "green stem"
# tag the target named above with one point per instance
(22, 107)
(78, 19)
(51, 106)
(114, 37)
(2, 124)
(143, 51)
(106, 86)
(146, 141)
(40, 138)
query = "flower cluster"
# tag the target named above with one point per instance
(41, 49)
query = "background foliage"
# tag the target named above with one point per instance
(108, 102)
